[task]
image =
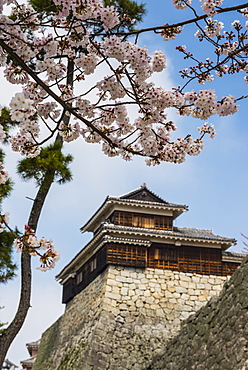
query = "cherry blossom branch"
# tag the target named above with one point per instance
(182, 23)
(51, 93)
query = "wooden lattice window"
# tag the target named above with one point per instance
(143, 220)
(127, 255)
(79, 277)
(93, 265)
(166, 254)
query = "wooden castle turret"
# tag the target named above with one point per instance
(137, 230)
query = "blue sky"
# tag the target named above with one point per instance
(213, 184)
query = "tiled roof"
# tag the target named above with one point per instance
(183, 232)
(29, 361)
(234, 254)
(233, 257)
(33, 344)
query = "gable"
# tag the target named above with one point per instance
(143, 194)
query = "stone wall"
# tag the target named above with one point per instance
(124, 318)
(216, 337)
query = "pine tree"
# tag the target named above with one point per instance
(7, 267)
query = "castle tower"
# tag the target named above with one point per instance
(128, 290)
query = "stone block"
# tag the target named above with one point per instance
(184, 284)
(131, 292)
(126, 273)
(144, 281)
(154, 307)
(161, 281)
(190, 303)
(112, 295)
(195, 279)
(217, 287)
(134, 298)
(176, 295)
(220, 280)
(201, 298)
(157, 295)
(133, 275)
(168, 294)
(159, 272)
(116, 290)
(107, 301)
(153, 285)
(192, 285)
(132, 286)
(160, 312)
(123, 306)
(180, 289)
(184, 277)
(193, 297)
(129, 280)
(185, 314)
(139, 303)
(185, 296)
(112, 282)
(124, 291)
(122, 279)
(150, 300)
(130, 303)
(147, 293)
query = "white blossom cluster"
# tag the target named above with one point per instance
(181, 4)
(4, 220)
(3, 174)
(35, 247)
(208, 6)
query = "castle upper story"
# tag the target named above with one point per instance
(137, 230)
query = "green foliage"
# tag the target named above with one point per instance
(5, 189)
(51, 161)
(44, 7)
(6, 122)
(129, 7)
(7, 267)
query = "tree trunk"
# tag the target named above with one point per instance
(8, 335)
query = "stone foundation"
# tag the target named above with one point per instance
(124, 318)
